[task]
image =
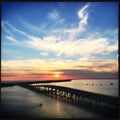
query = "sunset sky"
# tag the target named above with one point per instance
(59, 40)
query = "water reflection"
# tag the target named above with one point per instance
(101, 86)
(22, 103)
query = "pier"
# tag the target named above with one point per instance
(103, 103)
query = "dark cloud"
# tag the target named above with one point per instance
(8, 75)
(107, 65)
(38, 74)
(96, 65)
(87, 73)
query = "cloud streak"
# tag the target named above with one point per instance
(36, 68)
(50, 64)
(55, 16)
(71, 50)
(94, 46)
(83, 15)
(88, 74)
(44, 54)
(70, 44)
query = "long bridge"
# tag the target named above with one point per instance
(103, 103)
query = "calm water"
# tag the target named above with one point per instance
(102, 86)
(22, 103)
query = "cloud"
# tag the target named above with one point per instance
(13, 34)
(11, 39)
(55, 16)
(44, 54)
(83, 15)
(94, 45)
(71, 48)
(88, 73)
(44, 69)
(41, 68)
(50, 64)
(12, 27)
(9, 75)
(33, 28)
(66, 41)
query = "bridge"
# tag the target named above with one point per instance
(102, 103)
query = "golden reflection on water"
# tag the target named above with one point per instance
(58, 105)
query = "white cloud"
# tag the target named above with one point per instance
(79, 47)
(83, 15)
(54, 15)
(13, 28)
(44, 53)
(11, 38)
(65, 41)
(14, 41)
(49, 64)
(85, 46)
(33, 28)
(86, 57)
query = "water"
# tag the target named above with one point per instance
(100, 86)
(18, 102)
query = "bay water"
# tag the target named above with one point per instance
(18, 102)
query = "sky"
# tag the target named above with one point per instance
(59, 40)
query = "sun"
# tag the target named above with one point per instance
(57, 74)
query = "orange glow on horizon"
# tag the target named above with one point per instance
(52, 76)
(32, 78)
(57, 75)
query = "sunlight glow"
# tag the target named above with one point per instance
(57, 74)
